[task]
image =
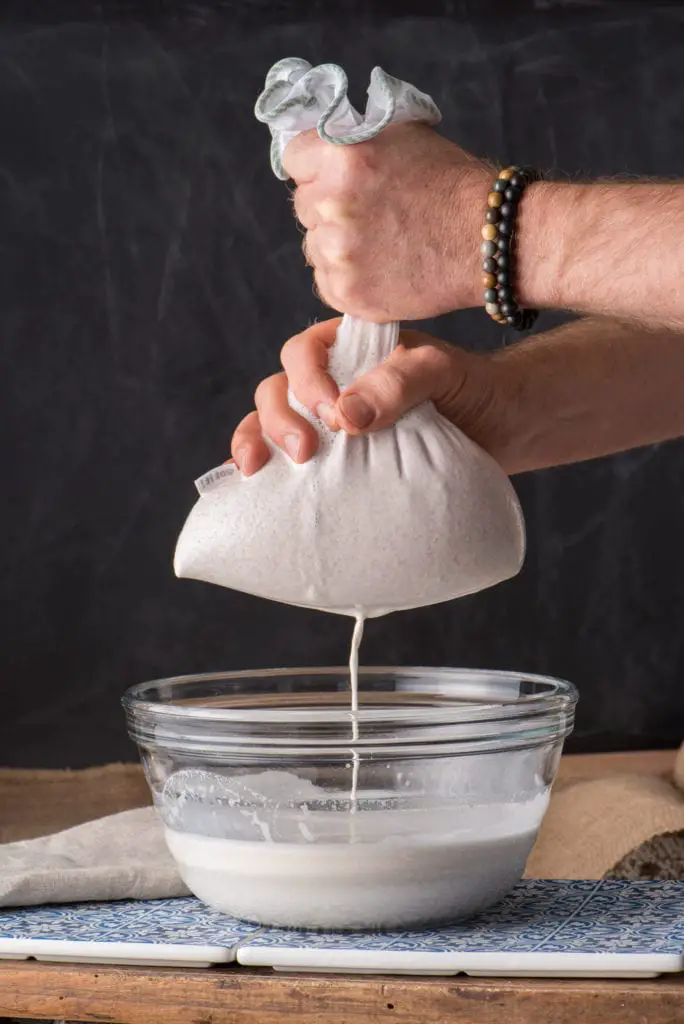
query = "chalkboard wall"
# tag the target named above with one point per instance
(151, 270)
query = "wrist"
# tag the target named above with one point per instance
(487, 404)
(511, 378)
(545, 242)
(469, 187)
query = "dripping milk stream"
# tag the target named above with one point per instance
(357, 636)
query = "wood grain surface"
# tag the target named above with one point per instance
(232, 995)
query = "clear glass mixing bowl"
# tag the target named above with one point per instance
(282, 807)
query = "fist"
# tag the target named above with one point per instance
(392, 225)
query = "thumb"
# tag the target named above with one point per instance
(417, 370)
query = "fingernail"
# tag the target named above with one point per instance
(326, 413)
(357, 411)
(292, 444)
(241, 460)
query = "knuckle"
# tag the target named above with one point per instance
(324, 288)
(334, 209)
(306, 385)
(344, 291)
(335, 247)
(391, 384)
(303, 154)
(294, 351)
(310, 247)
(265, 388)
(303, 208)
(289, 350)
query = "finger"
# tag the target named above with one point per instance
(330, 246)
(250, 451)
(282, 424)
(413, 373)
(304, 207)
(303, 155)
(305, 361)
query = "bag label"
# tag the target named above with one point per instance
(209, 481)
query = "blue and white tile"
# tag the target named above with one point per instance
(174, 931)
(541, 928)
(609, 928)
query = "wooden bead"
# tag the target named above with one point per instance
(494, 199)
(489, 232)
(488, 280)
(507, 173)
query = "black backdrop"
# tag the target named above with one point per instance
(150, 272)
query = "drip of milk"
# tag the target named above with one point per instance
(357, 636)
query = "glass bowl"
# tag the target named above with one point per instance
(283, 807)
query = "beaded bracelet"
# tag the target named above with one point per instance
(498, 248)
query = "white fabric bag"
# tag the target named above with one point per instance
(410, 516)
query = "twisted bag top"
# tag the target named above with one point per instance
(409, 516)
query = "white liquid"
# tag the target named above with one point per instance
(292, 864)
(357, 637)
(400, 882)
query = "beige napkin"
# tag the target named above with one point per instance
(120, 857)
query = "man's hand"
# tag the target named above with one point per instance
(394, 233)
(590, 388)
(462, 385)
(393, 225)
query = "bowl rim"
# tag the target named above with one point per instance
(562, 696)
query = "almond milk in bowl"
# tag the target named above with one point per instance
(282, 807)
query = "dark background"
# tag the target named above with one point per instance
(150, 272)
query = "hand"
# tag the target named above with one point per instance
(393, 225)
(586, 389)
(465, 387)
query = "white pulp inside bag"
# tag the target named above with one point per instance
(410, 516)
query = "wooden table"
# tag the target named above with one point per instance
(240, 995)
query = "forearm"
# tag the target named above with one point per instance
(606, 249)
(590, 388)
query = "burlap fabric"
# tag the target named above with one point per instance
(618, 816)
